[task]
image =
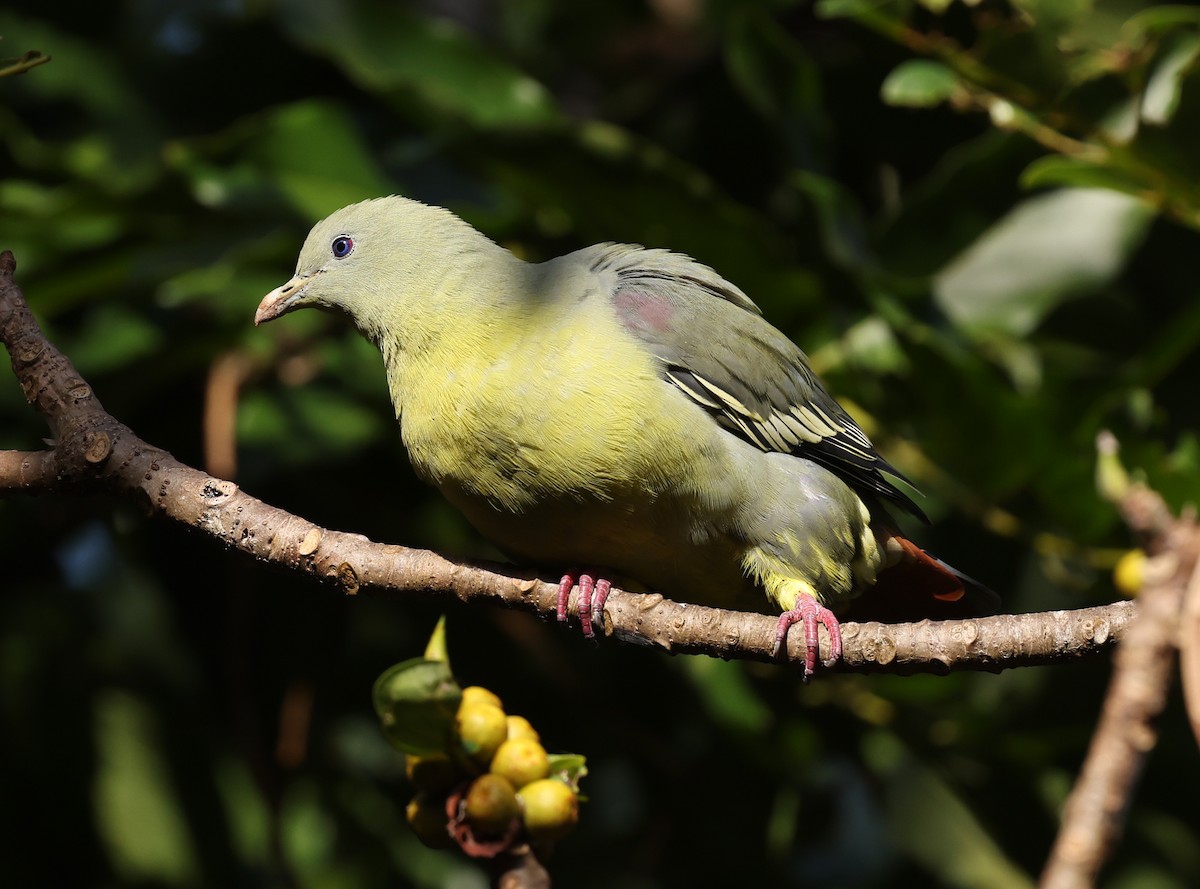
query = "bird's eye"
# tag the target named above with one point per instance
(342, 246)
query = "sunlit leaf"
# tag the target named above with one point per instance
(1161, 96)
(1048, 249)
(919, 84)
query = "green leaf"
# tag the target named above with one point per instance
(836, 9)
(839, 216)
(115, 137)
(416, 701)
(869, 344)
(930, 822)
(1046, 250)
(918, 83)
(1057, 169)
(569, 768)
(116, 337)
(727, 694)
(318, 159)
(775, 75)
(1162, 93)
(1157, 20)
(386, 47)
(334, 421)
(139, 816)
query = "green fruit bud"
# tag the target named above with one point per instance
(549, 809)
(479, 730)
(426, 815)
(491, 805)
(521, 761)
(434, 773)
(519, 727)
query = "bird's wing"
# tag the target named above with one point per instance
(717, 349)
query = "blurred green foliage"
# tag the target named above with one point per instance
(979, 219)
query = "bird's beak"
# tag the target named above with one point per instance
(282, 299)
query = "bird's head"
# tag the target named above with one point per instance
(369, 258)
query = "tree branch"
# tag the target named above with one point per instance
(1094, 815)
(94, 451)
(27, 470)
(1189, 651)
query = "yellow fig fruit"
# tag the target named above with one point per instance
(521, 761)
(477, 694)
(519, 727)
(549, 809)
(491, 805)
(479, 730)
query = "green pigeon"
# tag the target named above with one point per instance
(622, 413)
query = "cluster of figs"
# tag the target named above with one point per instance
(482, 779)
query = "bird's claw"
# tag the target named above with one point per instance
(593, 593)
(810, 612)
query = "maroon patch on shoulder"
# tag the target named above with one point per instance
(643, 311)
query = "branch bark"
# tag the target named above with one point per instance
(94, 451)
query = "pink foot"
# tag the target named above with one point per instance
(590, 609)
(810, 612)
(603, 588)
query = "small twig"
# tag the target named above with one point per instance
(26, 61)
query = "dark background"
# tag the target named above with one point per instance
(176, 715)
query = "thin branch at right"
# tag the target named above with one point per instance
(1143, 666)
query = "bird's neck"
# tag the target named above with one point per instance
(461, 312)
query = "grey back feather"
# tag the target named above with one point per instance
(719, 351)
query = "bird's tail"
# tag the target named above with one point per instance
(915, 585)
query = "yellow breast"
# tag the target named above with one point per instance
(552, 407)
